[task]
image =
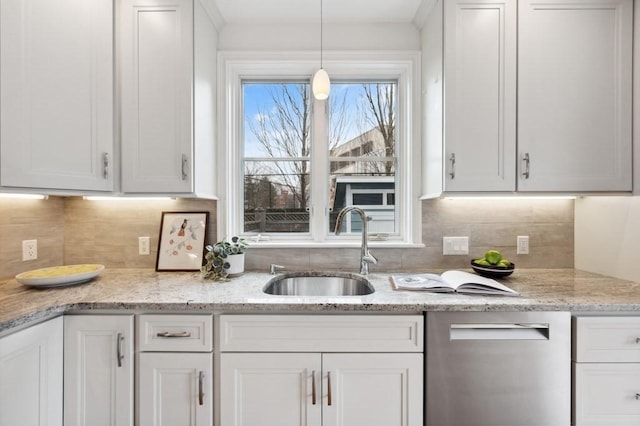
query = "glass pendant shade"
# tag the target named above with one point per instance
(321, 85)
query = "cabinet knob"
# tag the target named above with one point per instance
(638, 396)
(637, 339)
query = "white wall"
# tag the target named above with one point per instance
(607, 236)
(305, 37)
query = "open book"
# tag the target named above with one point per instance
(451, 282)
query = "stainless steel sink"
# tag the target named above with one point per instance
(318, 284)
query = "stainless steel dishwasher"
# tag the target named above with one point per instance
(498, 369)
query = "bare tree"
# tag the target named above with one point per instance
(283, 132)
(380, 99)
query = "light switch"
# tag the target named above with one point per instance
(455, 246)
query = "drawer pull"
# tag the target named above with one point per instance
(637, 339)
(638, 396)
(201, 388)
(119, 355)
(177, 334)
(185, 166)
(313, 387)
(526, 166)
(329, 401)
(452, 160)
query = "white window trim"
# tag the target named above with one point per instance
(234, 67)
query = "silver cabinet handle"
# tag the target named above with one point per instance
(119, 355)
(201, 388)
(638, 396)
(526, 164)
(105, 165)
(506, 331)
(452, 159)
(329, 388)
(185, 164)
(313, 387)
(176, 334)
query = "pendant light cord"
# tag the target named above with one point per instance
(321, 34)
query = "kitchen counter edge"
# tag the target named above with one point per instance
(143, 290)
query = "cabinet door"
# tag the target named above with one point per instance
(372, 389)
(156, 39)
(31, 376)
(607, 394)
(98, 370)
(480, 95)
(176, 389)
(270, 389)
(56, 94)
(574, 95)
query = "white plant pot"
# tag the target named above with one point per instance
(236, 264)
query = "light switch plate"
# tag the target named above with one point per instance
(522, 242)
(143, 246)
(455, 246)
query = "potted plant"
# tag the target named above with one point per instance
(224, 259)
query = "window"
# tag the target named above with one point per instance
(293, 162)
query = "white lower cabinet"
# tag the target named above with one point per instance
(175, 370)
(606, 371)
(331, 386)
(312, 389)
(31, 376)
(175, 389)
(98, 370)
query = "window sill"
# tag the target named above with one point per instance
(330, 244)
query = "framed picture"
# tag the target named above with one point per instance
(181, 242)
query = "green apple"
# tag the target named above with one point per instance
(493, 257)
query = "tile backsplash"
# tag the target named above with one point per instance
(73, 230)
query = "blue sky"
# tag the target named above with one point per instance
(258, 98)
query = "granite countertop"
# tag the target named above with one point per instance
(150, 291)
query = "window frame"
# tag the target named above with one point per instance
(236, 67)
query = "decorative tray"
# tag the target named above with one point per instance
(60, 276)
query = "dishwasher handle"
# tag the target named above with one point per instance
(499, 331)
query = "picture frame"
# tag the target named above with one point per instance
(182, 240)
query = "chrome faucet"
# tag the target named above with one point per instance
(273, 269)
(365, 257)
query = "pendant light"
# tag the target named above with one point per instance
(321, 85)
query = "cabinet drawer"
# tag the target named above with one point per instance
(607, 339)
(607, 394)
(175, 333)
(321, 333)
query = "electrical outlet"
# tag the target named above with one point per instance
(455, 245)
(522, 242)
(29, 250)
(143, 246)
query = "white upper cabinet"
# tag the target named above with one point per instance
(480, 99)
(536, 97)
(56, 94)
(167, 71)
(575, 95)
